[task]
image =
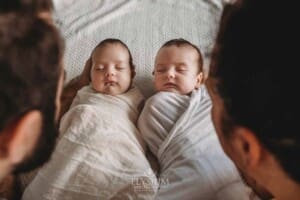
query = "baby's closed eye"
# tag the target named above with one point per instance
(99, 68)
(181, 69)
(161, 69)
(120, 67)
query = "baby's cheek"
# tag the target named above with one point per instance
(96, 83)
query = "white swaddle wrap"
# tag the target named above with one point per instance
(100, 154)
(179, 131)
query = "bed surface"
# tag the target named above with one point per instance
(144, 25)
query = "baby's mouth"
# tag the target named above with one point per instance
(170, 85)
(110, 83)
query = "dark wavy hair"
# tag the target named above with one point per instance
(31, 52)
(27, 6)
(257, 76)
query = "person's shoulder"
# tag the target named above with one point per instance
(135, 92)
(133, 96)
(163, 95)
(201, 94)
(86, 89)
(166, 100)
(157, 98)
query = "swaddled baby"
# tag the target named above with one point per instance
(100, 154)
(176, 125)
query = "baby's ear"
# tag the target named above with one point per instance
(199, 80)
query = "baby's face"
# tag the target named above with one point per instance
(110, 72)
(177, 70)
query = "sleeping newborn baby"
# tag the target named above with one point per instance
(100, 154)
(176, 125)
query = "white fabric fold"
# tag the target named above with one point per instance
(179, 131)
(100, 154)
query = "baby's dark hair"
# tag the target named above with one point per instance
(117, 41)
(182, 42)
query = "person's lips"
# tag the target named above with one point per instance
(170, 85)
(110, 83)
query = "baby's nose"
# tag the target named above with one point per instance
(110, 72)
(171, 74)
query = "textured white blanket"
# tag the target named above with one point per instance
(179, 131)
(100, 154)
(144, 25)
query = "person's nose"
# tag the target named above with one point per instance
(110, 71)
(171, 74)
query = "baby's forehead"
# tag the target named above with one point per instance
(109, 46)
(169, 53)
(181, 47)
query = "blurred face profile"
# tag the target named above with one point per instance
(221, 124)
(48, 136)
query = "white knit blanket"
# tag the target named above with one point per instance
(100, 154)
(144, 25)
(179, 131)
